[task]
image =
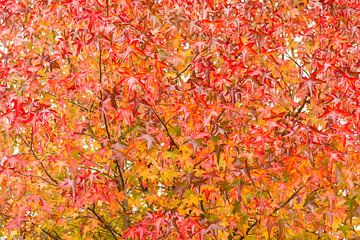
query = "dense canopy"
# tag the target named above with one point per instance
(179, 119)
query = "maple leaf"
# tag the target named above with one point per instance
(179, 121)
(149, 140)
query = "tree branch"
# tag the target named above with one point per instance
(304, 102)
(55, 237)
(121, 183)
(107, 7)
(69, 101)
(187, 67)
(297, 64)
(287, 201)
(34, 176)
(249, 229)
(106, 225)
(37, 158)
(106, 127)
(166, 129)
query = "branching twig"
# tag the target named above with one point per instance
(55, 237)
(288, 200)
(89, 135)
(187, 67)
(34, 176)
(306, 99)
(249, 229)
(171, 119)
(37, 158)
(106, 225)
(177, 229)
(297, 64)
(304, 102)
(166, 129)
(69, 101)
(216, 121)
(101, 95)
(275, 210)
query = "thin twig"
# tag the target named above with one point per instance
(34, 176)
(50, 234)
(106, 127)
(187, 67)
(177, 229)
(166, 129)
(288, 200)
(107, 7)
(216, 121)
(37, 158)
(171, 119)
(249, 229)
(69, 101)
(106, 225)
(304, 102)
(89, 135)
(100, 62)
(275, 210)
(101, 95)
(297, 64)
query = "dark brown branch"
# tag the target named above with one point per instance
(55, 237)
(106, 127)
(249, 229)
(69, 101)
(106, 225)
(187, 67)
(101, 95)
(121, 183)
(107, 7)
(37, 158)
(287, 201)
(100, 62)
(34, 176)
(304, 102)
(166, 129)
(297, 64)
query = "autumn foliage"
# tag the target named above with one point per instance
(179, 119)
